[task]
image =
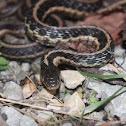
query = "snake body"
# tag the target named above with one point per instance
(19, 50)
(93, 36)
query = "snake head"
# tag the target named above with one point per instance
(50, 77)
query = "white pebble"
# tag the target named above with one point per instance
(15, 67)
(67, 124)
(27, 121)
(25, 67)
(13, 116)
(12, 91)
(72, 78)
(45, 115)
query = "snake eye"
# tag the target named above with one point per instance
(51, 78)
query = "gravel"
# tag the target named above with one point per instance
(12, 91)
(12, 116)
(27, 121)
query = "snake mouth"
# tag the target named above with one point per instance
(52, 88)
(52, 85)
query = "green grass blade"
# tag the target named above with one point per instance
(102, 76)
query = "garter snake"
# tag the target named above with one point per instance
(93, 36)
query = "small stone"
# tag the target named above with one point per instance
(106, 68)
(12, 91)
(116, 106)
(36, 65)
(27, 121)
(75, 104)
(1, 86)
(98, 115)
(119, 60)
(2, 121)
(123, 118)
(45, 115)
(13, 116)
(119, 51)
(5, 75)
(101, 123)
(46, 93)
(25, 67)
(67, 124)
(61, 87)
(21, 76)
(39, 100)
(15, 67)
(66, 97)
(72, 78)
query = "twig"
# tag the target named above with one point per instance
(24, 104)
(43, 108)
(38, 119)
(116, 70)
(111, 123)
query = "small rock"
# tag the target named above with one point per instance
(15, 73)
(21, 76)
(27, 121)
(106, 68)
(13, 116)
(36, 65)
(39, 100)
(75, 103)
(101, 123)
(46, 93)
(66, 97)
(2, 121)
(12, 91)
(15, 67)
(25, 67)
(1, 86)
(72, 78)
(61, 87)
(5, 75)
(119, 51)
(45, 115)
(123, 117)
(117, 106)
(67, 124)
(98, 115)
(119, 60)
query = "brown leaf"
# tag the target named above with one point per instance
(28, 88)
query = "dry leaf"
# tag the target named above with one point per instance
(28, 88)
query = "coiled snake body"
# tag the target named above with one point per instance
(94, 36)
